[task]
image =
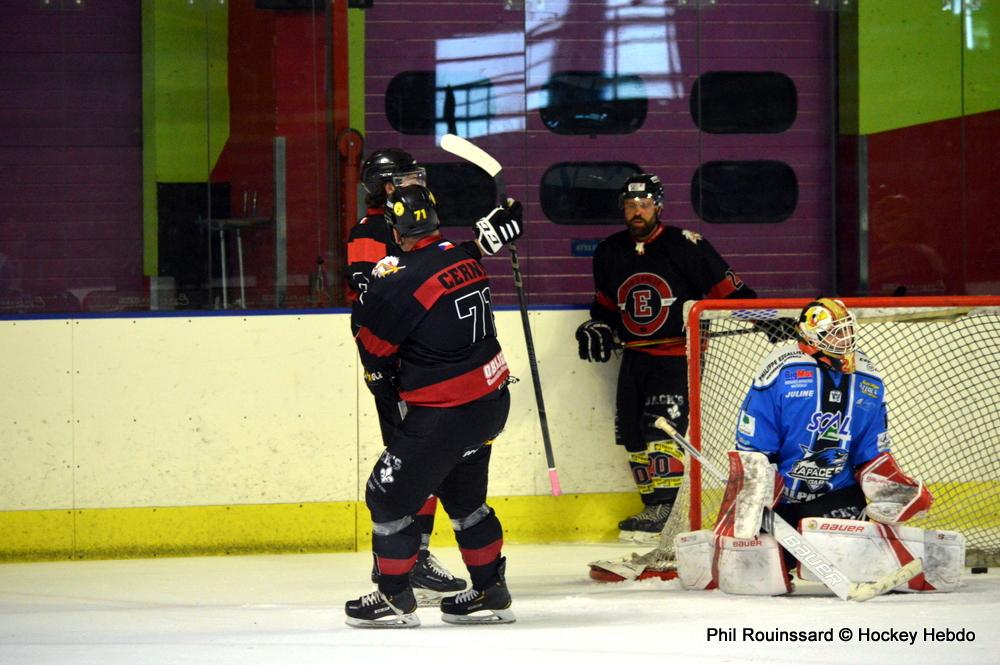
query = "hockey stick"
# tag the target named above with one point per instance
(469, 151)
(797, 544)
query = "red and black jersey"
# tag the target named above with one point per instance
(369, 241)
(641, 288)
(429, 320)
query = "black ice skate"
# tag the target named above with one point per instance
(376, 610)
(430, 579)
(475, 606)
(645, 527)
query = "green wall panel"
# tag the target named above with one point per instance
(982, 59)
(185, 70)
(909, 63)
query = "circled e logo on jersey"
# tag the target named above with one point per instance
(644, 300)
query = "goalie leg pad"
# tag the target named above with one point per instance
(694, 551)
(752, 567)
(866, 551)
(751, 489)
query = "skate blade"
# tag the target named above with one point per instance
(395, 621)
(481, 618)
(427, 598)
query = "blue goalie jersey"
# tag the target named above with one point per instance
(817, 424)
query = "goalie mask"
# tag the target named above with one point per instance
(391, 165)
(412, 211)
(827, 332)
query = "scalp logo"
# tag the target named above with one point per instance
(645, 301)
(830, 426)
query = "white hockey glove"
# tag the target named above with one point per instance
(501, 227)
(596, 340)
(892, 495)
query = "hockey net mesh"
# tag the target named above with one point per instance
(941, 367)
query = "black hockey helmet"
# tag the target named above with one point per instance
(412, 211)
(383, 165)
(642, 186)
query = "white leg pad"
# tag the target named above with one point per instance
(752, 567)
(866, 551)
(693, 551)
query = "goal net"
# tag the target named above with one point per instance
(940, 360)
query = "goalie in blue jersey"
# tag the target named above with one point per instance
(812, 443)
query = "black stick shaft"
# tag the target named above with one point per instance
(530, 344)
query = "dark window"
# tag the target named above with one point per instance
(761, 192)
(415, 104)
(594, 103)
(464, 192)
(584, 192)
(743, 102)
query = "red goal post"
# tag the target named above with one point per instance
(940, 360)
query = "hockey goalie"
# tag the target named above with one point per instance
(812, 444)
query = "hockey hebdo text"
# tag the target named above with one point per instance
(861, 634)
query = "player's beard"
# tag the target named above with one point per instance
(639, 227)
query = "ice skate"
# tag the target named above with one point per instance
(645, 526)
(431, 580)
(376, 610)
(475, 606)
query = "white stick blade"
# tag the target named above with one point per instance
(469, 151)
(867, 590)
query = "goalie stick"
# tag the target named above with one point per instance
(802, 549)
(470, 152)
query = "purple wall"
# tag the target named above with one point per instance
(669, 48)
(70, 153)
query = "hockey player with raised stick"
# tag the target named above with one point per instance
(426, 336)
(368, 243)
(643, 275)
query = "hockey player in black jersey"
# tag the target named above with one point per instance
(368, 243)
(426, 335)
(643, 276)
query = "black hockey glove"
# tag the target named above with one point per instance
(596, 340)
(777, 330)
(501, 227)
(382, 385)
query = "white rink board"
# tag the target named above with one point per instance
(231, 410)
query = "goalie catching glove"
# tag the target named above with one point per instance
(893, 496)
(501, 227)
(596, 340)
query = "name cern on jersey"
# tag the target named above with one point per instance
(495, 368)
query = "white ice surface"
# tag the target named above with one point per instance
(289, 609)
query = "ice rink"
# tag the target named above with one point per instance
(289, 609)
